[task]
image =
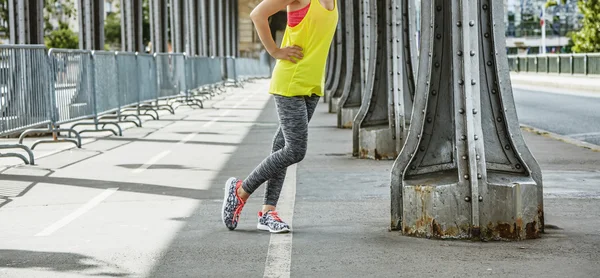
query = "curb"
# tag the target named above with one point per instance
(562, 138)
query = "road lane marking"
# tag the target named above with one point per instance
(590, 134)
(216, 119)
(151, 162)
(79, 212)
(188, 138)
(279, 254)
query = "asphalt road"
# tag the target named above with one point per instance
(571, 114)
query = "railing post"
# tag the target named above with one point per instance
(465, 170)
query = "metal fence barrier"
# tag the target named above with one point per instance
(57, 88)
(24, 93)
(247, 68)
(579, 64)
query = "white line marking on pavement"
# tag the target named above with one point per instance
(150, 162)
(79, 212)
(188, 138)
(213, 121)
(591, 134)
(279, 255)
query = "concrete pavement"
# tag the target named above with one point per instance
(147, 205)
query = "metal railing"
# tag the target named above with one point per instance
(44, 91)
(573, 64)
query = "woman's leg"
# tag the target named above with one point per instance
(275, 184)
(293, 120)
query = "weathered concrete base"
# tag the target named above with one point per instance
(333, 104)
(443, 210)
(522, 216)
(377, 143)
(346, 117)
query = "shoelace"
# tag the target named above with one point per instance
(275, 216)
(238, 210)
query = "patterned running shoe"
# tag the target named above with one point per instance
(232, 204)
(271, 222)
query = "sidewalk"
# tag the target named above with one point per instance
(589, 84)
(147, 205)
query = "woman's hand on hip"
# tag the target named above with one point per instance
(290, 53)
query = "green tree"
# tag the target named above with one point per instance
(112, 26)
(61, 10)
(145, 22)
(4, 17)
(63, 37)
(112, 29)
(588, 38)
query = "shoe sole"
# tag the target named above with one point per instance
(266, 228)
(227, 186)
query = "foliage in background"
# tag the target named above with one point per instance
(588, 38)
(63, 37)
(552, 3)
(63, 16)
(4, 15)
(112, 26)
(112, 29)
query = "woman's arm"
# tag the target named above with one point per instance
(260, 16)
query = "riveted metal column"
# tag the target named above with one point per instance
(159, 25)
(236, 36)
(26, 21)
(220, 29)
(351, 100)
(330, 68)
(374, 129)
(202, 28)
(465, 171)
(410, 58)
(131, 26)
(352, 86)
(340, 59)
(227, 18)
(192, 24)
(212, 23)
(178, 21)
(91, 24)
(339, 78)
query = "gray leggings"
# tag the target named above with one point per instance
(289, 146)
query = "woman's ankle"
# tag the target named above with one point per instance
(243, 194)
(267, 208)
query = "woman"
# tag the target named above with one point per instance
(297, 84)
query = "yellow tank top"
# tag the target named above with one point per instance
(314, 34)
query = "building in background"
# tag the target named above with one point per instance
(523, 25)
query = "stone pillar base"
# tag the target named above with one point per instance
(376, 143)
(346, 117)
(333, 104)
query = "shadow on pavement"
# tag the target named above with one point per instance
(103, 184)
(163, 167)
(203, 247)
(58, 262)
(164, 141)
